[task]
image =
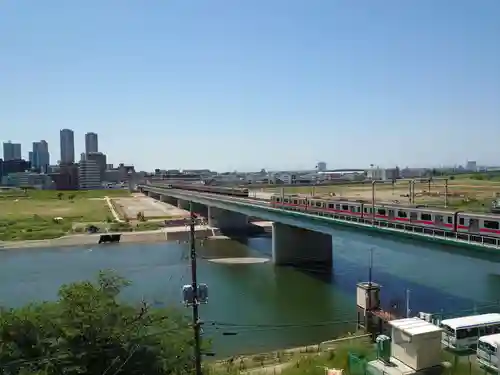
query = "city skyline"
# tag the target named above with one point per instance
(91, 138)
(258, 84)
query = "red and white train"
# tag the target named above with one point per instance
(487, 225)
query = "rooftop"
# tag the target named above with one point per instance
(414, 326)
(491, 339)
(468, 321)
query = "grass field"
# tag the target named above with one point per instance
(464, 193)
(30, 215)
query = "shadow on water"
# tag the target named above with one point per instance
(346, 274)
(478, 253)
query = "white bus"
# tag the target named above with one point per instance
(487, 355)
(463, 333)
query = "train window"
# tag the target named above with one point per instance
(353, 209)
(425, 216)
(461, 221)
(337, 206)
(286, 200)
(278, 199)
(331, 206)
(345, 207)
(381, 211)
(491, 224)
(402, 214)
(295, 201)
(318, 204)
(450, 220)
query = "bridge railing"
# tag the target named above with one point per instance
(419, 230)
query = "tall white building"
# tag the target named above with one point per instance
(91, 143)
(67, 138)
(321, 167)
(89, 175)
(471, 166)
(11, 151)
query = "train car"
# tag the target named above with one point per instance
(425, 217)
(453, 221)
(480, 224)
(336, 207)
(223, 190)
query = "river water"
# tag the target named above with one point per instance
(261, 306)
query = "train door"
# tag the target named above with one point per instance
(391, 214)
(413, 216)
(474, 225)
(286, 203)
(438, 220)
(302, 203)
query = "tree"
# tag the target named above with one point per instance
(88, 331)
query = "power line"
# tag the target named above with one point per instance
(239, 328)
(257, 328)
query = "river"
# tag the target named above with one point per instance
(262, 306)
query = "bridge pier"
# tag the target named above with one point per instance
(200, 209)
(183, 205)
(168, 200)
(299, 246)
(227, 220)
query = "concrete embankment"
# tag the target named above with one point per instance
(93, 239)
(178, 233)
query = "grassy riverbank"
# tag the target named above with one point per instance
(350, 354)
(34, 214)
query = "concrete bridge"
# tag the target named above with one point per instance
(295, 242)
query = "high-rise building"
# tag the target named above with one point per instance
(321, 167)
(89, 175)
(67, 146)
(100, 160)
(11, 151)
(40, 157)
(471, 166)
(91, 143)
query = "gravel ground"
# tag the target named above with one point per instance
(150, 207)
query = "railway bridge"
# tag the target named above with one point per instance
(304, 237)
(295, 241)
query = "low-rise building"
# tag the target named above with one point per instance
(28, 179)
(65, 177)
(13, 166)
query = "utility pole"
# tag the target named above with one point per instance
(446, 193)
(408, 311)
(194, 284)
(373, 204)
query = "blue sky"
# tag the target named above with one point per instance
(250, 84)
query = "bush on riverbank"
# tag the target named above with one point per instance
(89, 331)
